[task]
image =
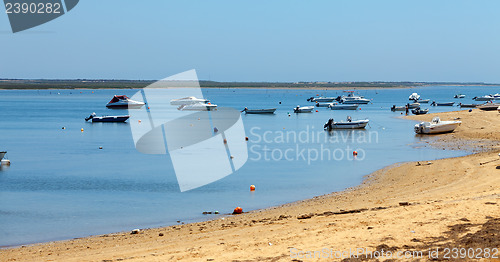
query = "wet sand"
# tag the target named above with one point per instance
(413, 206)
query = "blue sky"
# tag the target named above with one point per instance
(262, 41)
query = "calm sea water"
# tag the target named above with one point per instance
(61, 185)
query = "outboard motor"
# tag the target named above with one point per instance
(90, 117)
(329, 124)
(338, 98)
(310, 99)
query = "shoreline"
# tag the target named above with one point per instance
(387, 210)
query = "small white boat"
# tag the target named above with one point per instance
(188, 100)
(304, 109)
(349, 124)
(344, 107)
(436, 126)
(96, 118)
(484, 98)
(496, 96)
(355, 100)
(459, 96)
(489, 106)
(324, 104)
(321, 99)
(442, 104)
(414, 96)
(421, 101)
(197, 107)
(259, 111)
(123, 102)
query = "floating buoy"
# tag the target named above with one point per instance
(81, 129)
(139, 121)
(280, 102)
(63, 127)
(5, 162)
(316, 111)
(100, 147)
(232, 157)
(238, 210)
(252, 188)
(354, 153)
(148, 107)
(246, 138)
(225, 141)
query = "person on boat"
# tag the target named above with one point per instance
(349, 119)
(329, 124)
(407, 107)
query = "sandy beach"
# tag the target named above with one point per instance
(420, 207)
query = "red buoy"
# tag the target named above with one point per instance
(252, 188)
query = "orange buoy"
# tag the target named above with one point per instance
(252, 188)
(225, 141)
(139, 121)
(316, 111)
(354, 153)
(238, 210)
(148, 107)
(81, 129)
(246, 138)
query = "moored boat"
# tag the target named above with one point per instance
(259, 111)
(459, 96)
(489, 106)
(96, 118)
(123, 102)
(422, 101)
(468, 105)
(348, 124)
(344, 107)
(321, 99)
(419, 111)
(484, 98)
(197, 107)
(324, 104)
(398, 108)
(413, 105)
(436, 126)
(2, 154)
(434, 103)
(188, 100)
(304, 109)
(414, 96)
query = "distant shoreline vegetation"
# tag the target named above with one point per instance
(134, 84)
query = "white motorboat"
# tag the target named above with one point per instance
(321, 99)
(324, 104)
(354, 100)
(344, 107)
(259, 111)
(414, 96)
(468, 105)
(304, 109)
(436, 126)
(484, 98)
(348, 124)
(496, 96)
(197, 107)
(123, 102)
(188, 100)
(421, 101)
(459, 96)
